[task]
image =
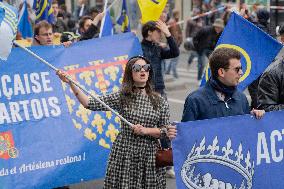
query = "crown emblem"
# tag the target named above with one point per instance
(214, 154)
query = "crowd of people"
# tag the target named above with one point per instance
(131, 163)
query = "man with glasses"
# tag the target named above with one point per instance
(43, 35)
(219, 97)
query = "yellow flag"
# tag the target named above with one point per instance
(151, 9)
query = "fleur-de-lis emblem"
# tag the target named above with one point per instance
(112, 132)
(112, 72)
(103, 143)
(98, 122)
(87, 77)
(214, 147)
(83, 113)
(201, 147)
(227, 150)
(76, 124)
(70, 103)
(89, 134)
(108, 114)
(239, 154)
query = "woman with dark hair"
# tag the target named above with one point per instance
(131, 162)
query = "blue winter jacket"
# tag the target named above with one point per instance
(205, 104)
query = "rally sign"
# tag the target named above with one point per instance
(47, 139)
(233, 152)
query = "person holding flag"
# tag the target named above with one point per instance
(132, 159)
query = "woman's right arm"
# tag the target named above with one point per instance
(80, 95)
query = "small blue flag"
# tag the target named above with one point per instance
(107, 27)
(25, 26)
(44, 11)
(8, 29)
(257, 48)
(123, 19)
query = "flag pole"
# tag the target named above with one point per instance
(75, 83)
(103, 21)
(202, 15)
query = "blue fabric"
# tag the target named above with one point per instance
(231, 151)
(25, 26)
(2, 14)
(41, 121)
(205, 104)
(260, 48)
(44, 11)
(123, 19)
(107, 28)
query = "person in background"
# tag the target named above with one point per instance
(43, 35)
(59, 25)
(205, 41)
(82, 9)
(262, 23)
(151, 32)
(270, 91)
(176, 32)
(132, 159)
(192, 27)
(89, 28)
(220, 96)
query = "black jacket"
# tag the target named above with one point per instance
(205, 38)
(154, 53)
(271, 88)
(92, 32)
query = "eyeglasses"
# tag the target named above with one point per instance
(46, 34)
(237, 69)
(138, 67)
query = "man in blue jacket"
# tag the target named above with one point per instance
(219, 97)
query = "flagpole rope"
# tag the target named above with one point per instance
(75, 83)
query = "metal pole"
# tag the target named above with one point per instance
(75, 83)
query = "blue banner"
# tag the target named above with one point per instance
(257, 48)
(47, 139)
(232, 152)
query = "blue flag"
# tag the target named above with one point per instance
(47, 138)
(257, 48)
(25, 26)
(238, 152)
(8, 29)
(107, 26)
(123, 19)
(44, 10)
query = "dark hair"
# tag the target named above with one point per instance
(281, 30)
(128, 87)
(94, 9)
(220, 59)
(83, 20)
(148, 26)
(55, 2)
(41, 24)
